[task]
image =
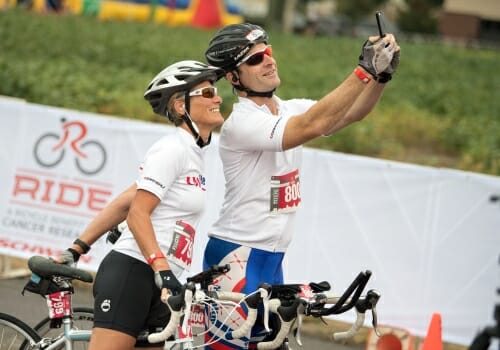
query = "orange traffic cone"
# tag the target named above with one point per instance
(433, 340)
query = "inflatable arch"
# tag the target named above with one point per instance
(199, 13)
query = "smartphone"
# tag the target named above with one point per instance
(379, 17)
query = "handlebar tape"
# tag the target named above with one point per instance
(287, 315)
(175, 303)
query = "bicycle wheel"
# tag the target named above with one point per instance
(15, 334)
(83, 319)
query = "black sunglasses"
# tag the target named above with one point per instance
(257, 57)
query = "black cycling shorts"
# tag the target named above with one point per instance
(126, 297)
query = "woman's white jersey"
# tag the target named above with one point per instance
(173, 171)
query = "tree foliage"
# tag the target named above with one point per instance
(358, 9)
(419, 16)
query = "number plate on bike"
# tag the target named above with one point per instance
(306, 293)
(197, 316)
(59, 304)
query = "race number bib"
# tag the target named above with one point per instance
(181, 249)
(59, 304)
(285, 192)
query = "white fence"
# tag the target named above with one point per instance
(430, 236)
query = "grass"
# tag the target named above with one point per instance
(441, 109)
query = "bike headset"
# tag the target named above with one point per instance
(180, 77)
(230, 45)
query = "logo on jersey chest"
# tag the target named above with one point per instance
(198, 181)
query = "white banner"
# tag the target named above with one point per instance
(430, 236)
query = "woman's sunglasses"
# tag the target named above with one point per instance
(207, 92)
(257, 57)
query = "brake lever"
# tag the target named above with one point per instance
(373, 297)
(265, 293)
(188, 301)
(300, 316)
(374, 322)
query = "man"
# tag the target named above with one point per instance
(260, 148)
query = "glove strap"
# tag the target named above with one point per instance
(155, 256)
(76, 255)
(384, 77)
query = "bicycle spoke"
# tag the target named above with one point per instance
(15, 334)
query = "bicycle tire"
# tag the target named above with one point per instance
(83, 318)
(15, 334)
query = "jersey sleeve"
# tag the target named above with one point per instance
(258, 130)
(161, 166)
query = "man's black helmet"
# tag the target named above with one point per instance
(231, 44)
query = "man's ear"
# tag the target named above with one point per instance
(232, 78)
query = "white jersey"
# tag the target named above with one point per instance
(173, 171)
(262, 181)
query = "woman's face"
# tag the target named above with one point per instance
(205, 106)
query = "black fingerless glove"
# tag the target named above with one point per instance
(376, 58)
(69, 257)
(386, 75)
(167, 279)
(366, 58)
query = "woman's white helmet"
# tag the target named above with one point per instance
(180, 76)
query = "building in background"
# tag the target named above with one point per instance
(471, 20)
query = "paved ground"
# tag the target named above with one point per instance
(31, 308)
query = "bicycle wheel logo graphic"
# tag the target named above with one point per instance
(50, 148)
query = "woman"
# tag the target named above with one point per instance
(164, 208)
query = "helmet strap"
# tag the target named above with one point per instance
(248, 91)
(192, 125)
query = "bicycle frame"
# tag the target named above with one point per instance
(288, 302)
(68, 336)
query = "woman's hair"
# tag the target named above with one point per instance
(175, 117)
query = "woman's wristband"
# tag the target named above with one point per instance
(84, 246)
(151, 259)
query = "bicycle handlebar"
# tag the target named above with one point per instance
(367, 303)
(314, 305)
(207, 276)
(290, 305)
(356, 326)
(355, 289)
(184, 300)
(287, 315)
(175, 303)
